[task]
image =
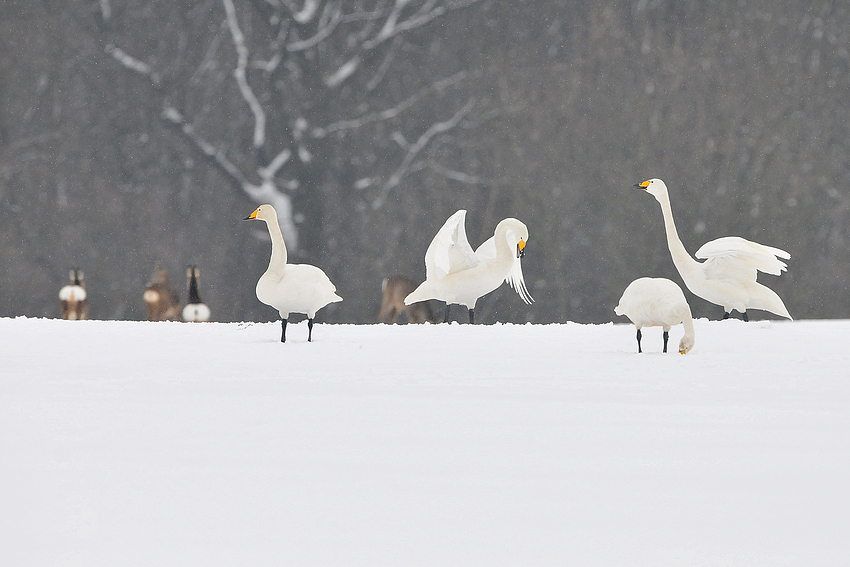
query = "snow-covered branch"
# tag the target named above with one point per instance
(325, 30)
(105, 10)
(416, 147)
(454, 175)
(306, 13)
(265, 192)
(133, 64)
(278, 162)
(391, 112)
(174, 116)
(392, 26)
(241, 75)
(383, 67)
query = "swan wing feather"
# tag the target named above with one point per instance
(449, 251)
(487, 250)
(732, 257)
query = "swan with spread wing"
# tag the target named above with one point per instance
(457, 274)
(727, 277)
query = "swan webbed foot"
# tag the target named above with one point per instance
(309, 330)
(283, 330)
(666, 337)
(638, 339)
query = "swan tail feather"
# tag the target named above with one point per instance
(421, 293)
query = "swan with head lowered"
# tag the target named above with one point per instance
(291, 288)
(727, 277)
(657, 302)
(457, 274)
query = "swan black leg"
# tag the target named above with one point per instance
(471, 316)
(446, 318)
(309, 330)
(666, 336)
(638, 338)
(283, 330)
(743, 316)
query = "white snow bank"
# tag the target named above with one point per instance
(127, 443)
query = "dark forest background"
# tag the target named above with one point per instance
(133, 133)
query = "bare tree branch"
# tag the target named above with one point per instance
(417, 147)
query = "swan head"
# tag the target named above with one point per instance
(517, 234)
(654, 187)
(686, 344)
(263, 212)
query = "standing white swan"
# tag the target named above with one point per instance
(657, 302)
(728, 275)
(291, 288)
(456, 274)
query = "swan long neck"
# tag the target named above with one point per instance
(503, 249)
(681, 258)
(688, 324)
(279, 255)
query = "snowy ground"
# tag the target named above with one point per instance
(125, 443)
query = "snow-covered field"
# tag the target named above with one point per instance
(128, 443)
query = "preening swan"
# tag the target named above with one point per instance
(456, 274)
(291, 288)
(728, 275)
(657, 302)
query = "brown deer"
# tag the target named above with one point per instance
(395, 290)
(162, 301)
(72, 297)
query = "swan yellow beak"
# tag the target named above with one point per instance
(643, 185)
(683, 351)
(253, 215)
(520, 248)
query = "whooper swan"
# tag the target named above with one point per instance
(657, 302)
(728, 275)
(291, 288)
(456, 274)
